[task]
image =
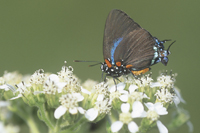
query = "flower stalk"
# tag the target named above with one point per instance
(44, 116)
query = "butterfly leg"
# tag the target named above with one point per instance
(118, 79)
(102, 77)
(135, 76)
(115, 83)
(105, 78)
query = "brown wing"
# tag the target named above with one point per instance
(136, 45)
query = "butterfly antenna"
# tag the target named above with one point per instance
(89, 61)
(166, 40)
(170, 46)
(85, 61)
(94, 64)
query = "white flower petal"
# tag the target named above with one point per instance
(110, 102)
(133, 127)
(112, 89)
(137, 105)
(28, 85)
(124, 98)
(53, 77)
(56, 80)
(144, 114)
(145, 96)
(190, 126)
(161, 127)
(79, 96)
(123, 92)
(121, 86)
(176, 101)
(155, 84)
(10, 87)
(20, 95)
(132, 88)
(149, 105)
(125, 107)
(73, 110)
(91, 114)
(138, 110)
(116, 126)
(158, 106)
(85, 91)
(4, 103)
(59, 112)
(60, 86)
(179, 95)
(2, 128)
(37, 92)
(5, 87)
(160, 109)
(100, 97)
(111, 99)
(81, 110)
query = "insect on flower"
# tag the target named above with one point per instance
(128, 48)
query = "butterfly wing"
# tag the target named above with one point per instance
(125, 40)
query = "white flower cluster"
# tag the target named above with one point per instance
(69, 102)
(38, 77)
(144, 80)
(133, 98)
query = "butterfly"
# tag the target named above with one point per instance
(128, 48)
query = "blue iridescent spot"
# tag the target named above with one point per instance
(165, 59)
(116, 43)
(158, 60)
(157, 41)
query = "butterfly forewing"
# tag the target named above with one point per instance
(134, 45)
(118, 25)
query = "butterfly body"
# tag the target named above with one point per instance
(114, 70)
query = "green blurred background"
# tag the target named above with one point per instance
(43, 34)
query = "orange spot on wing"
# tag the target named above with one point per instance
(129, 66)
(108, 63)
(140, 72)
(118, 64)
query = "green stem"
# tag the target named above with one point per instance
(79, 123)
(75, 126)
(146, 125)
(113, 117)
(57, 126)
(26, 116)
(44, 116)
(32, 125)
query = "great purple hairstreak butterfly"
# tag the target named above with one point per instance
(128, 48)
